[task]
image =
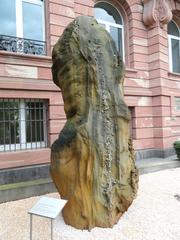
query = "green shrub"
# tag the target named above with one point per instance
(177, 148)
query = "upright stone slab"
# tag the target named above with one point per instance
(92, 161)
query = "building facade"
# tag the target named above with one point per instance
(147, 35)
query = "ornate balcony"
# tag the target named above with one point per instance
(22, 45)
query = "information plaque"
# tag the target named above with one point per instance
(48, 208)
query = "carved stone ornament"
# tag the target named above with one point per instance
(156, 12)
(92, 161)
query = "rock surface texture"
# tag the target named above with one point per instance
(92, 161)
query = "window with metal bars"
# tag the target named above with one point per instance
(23, 124)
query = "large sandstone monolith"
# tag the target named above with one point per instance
(92, 161)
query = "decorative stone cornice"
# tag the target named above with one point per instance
(156, 12)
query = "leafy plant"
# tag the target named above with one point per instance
(177, 148)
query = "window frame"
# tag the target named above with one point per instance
(23, 143)
(109, 24)
(170, 37)
(19, 17)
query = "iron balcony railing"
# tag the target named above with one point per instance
(22, 45)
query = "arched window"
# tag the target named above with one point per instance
(109, 17)
(174, 47)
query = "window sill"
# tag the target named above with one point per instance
(24, 56)
(174, 74)
(175, 114)
(131, 70)
(13, 58)
(24, 158)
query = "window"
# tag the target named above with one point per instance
(22, 26)
(177, 103)
(174, 47)
(111, 20)
(23, 124)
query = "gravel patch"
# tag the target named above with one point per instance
(154, 215)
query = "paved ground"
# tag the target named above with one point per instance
(154, 215)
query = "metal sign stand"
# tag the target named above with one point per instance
(48, 208)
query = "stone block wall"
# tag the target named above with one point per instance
(150, 87)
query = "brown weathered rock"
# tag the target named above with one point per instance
(92, 161)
